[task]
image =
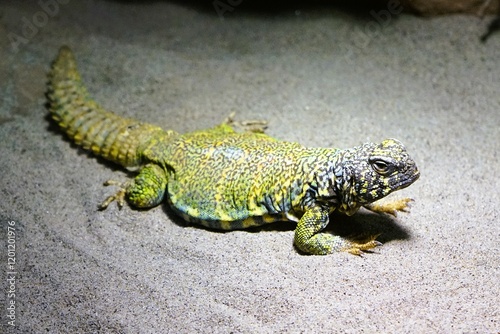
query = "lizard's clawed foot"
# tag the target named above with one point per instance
(357, 248)
(119, 196)
(391, 207)
(256, 126)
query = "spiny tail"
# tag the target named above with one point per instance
(108, 135)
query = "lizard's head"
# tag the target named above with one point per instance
(373, 171)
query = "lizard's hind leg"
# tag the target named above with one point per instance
(145, 191)
(254, 125)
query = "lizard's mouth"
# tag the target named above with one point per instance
(406, 181)
(397, 182)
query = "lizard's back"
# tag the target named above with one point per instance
(222, 177)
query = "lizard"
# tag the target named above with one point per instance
(226, 179)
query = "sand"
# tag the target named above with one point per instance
(320, 76)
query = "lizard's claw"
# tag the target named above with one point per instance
(357, 248)
(119, 196)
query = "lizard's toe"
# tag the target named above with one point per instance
(119, 196)
(357, 248)
(256, 126)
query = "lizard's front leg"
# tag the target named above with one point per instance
(390, 207)
(145, 191)
(309, 239)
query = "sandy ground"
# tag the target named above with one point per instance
(323, 77)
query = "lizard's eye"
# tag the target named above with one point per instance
(381, 167)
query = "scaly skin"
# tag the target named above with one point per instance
(227, 180)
